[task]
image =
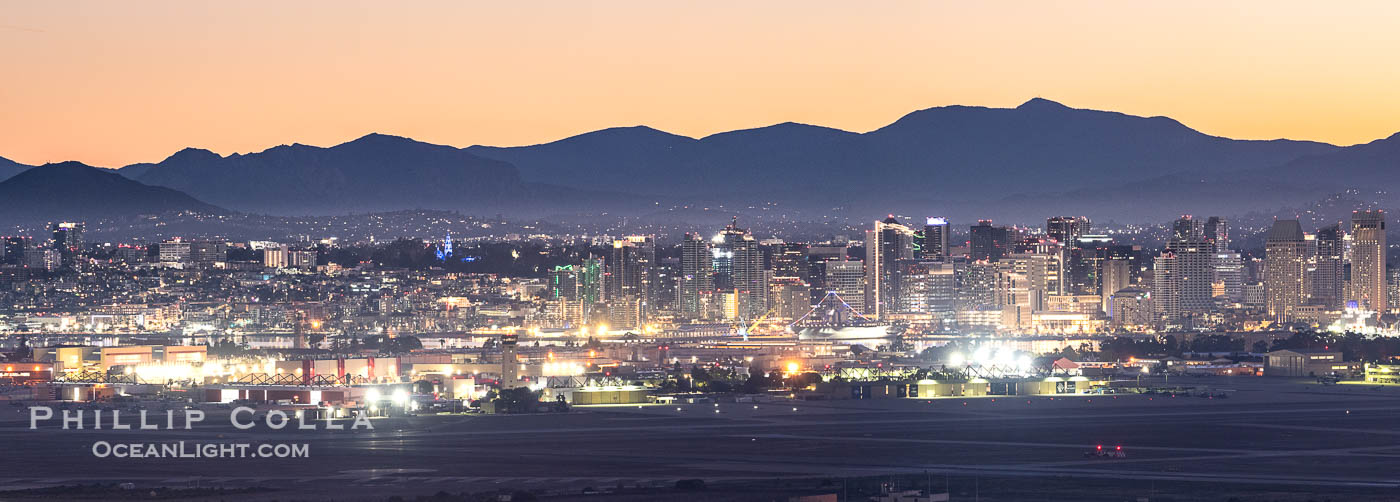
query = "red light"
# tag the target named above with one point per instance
(1100, 447)
(1120, 448)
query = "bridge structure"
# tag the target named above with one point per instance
(831, 311)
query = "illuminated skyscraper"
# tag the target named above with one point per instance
(1217, 233)
(696, 278)
(847, 279)
(563, 283)
(1182, 276)
(1285, 253)
(885, 244)
(988, 243)
(790, 298)
(68, 237)
(817, 258)
(790, 262)
(934, 245)
(632, 271)
(1085, 268)
(1327, 267)
(1228, 270)
(1067, 229)
(592, 292)
(15, 247)
(1115, 274)
(976, 286)
(1186, 228)
(738, 269)
(1368, 259)
(928, 287)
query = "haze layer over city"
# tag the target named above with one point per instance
(789, 251)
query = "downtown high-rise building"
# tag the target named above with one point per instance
(1067, 229)
(1187, 228)
(789, 298)
(1368, 248)
(885, 245)
(1051, 261)
(933, 244)
(563, 283)
(976, 283)
(1228, 272)
(1016, 290)
(68, 240)
(68, 236)
(1326, 267)
(1115, 274)
(592, 290)
(789, 261)
(846, 278)
(929, 287)
(1084, 268)
(738, 263)
(1182, 276)
(1217, 233)
(561, 295)
(632, 272)
(696, 277)
(987, 242)
(15, 246)
(1285, 259)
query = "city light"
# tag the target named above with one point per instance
(442, 318)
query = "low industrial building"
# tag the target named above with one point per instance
(1307, 363)
(976, 387)
(283, 393)
(1383, 373)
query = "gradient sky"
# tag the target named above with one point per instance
(112, 83)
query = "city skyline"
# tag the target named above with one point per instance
(799, 250)
(239, 79)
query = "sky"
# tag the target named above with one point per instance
(114, 83)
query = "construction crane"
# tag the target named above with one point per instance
(743, 330)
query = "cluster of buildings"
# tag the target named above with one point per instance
(1062, 279)
(633, 304)
(62, 249)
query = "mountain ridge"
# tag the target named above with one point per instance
(73, 190)
(938, 160)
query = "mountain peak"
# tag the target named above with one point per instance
(193, 154)
(376, 137)
(1039, 103)
(75, 190)
(67, 164)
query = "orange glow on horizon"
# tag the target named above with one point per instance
(114, 83)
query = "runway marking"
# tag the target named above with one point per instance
(913, 420)
(1317, 428)
(976, 442)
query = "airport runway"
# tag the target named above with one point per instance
(1270, 435)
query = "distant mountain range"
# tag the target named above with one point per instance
(10, 168)
(71, 190)
(965, 162)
